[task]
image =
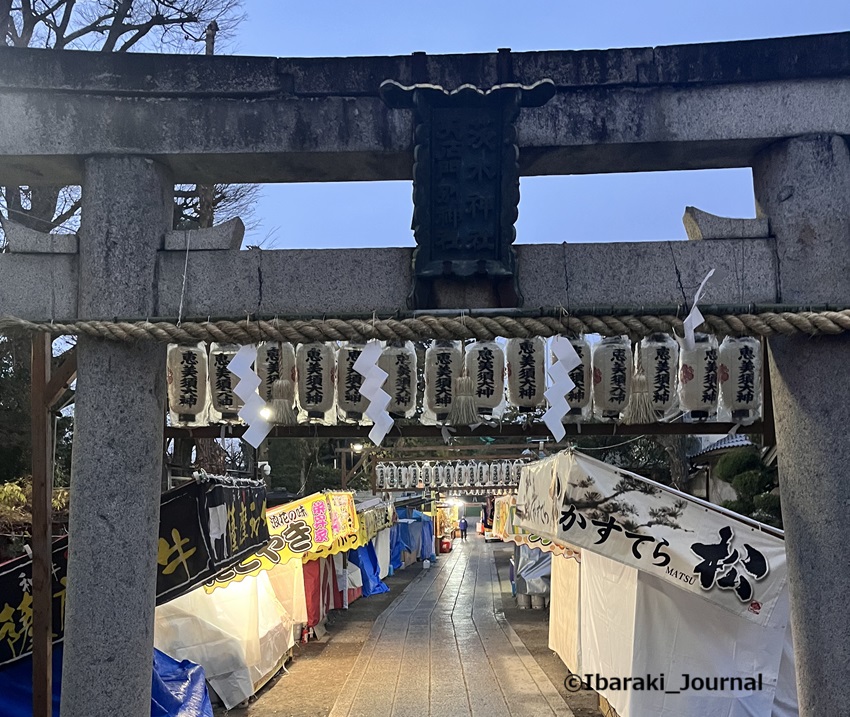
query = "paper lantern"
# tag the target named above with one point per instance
(428, 474)
(443, 364)
(380, 476)
(659, 360)
(485, 365)
(612, 377)
(350, 402)
(698, 385)
(526, 359)
(275, 361)
(579, 398)
(484, 474)
(445, 476)
(399, 361)
(314, 368)
(740, 378)
(405, 482)
(187, 382)
(222, 381)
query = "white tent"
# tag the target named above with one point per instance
(613, 620)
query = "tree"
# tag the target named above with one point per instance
(756, 484)
(302, 465)
(104, 26)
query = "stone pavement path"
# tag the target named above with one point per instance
(444, 648)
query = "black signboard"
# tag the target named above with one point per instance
(204, 529)
(465, 182)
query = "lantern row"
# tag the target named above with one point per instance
(456, 474)
(615, 381)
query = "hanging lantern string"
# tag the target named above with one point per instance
(441, 327)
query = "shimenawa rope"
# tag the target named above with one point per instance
(438, 327)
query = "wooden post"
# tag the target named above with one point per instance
(42, 532)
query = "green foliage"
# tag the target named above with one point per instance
(16, 503)
(735, 462)
(645, 456)
(302, 465)
(753, 482)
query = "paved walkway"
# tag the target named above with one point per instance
(444, 648)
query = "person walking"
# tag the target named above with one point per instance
(463, 525)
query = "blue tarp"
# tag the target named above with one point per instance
(366, 559)
(427, 550)
(419, 535)
(396, 546)
(410, 533)
(178, 688)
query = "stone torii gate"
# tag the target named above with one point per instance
(128, 127)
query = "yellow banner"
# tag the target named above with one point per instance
(369, 523)
(311, 525)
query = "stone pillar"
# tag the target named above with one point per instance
(803, 187)
(118, 446)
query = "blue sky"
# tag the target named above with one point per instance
(553, 209)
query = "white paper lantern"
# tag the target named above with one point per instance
(526, 359)
(484, 476)
(350, 402)
(485, 365)
(612, 377)
(380, 476)
(443, 365)
(274, 361)
(187, 382)
(579, 398)
(315, 370)
(222, 381)
(466, 475)
(698, 378)
(400, 364)
(659, 359)
(740, 378)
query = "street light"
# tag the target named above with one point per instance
(357, 447)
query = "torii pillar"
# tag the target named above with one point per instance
(803, 186)
(118, 445)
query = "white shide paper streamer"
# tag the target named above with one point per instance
(372, 388)
(566, 359)
(252, 412)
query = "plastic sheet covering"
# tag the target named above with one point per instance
(396, 546)
(565, 612)
(426, 552)
(366, 559)
(349, 576)
(178, 689)
(411, 535)
(382, 549)
(533, 570)
(239, 634)
(287, 581)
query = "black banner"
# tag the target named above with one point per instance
(204, 529)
